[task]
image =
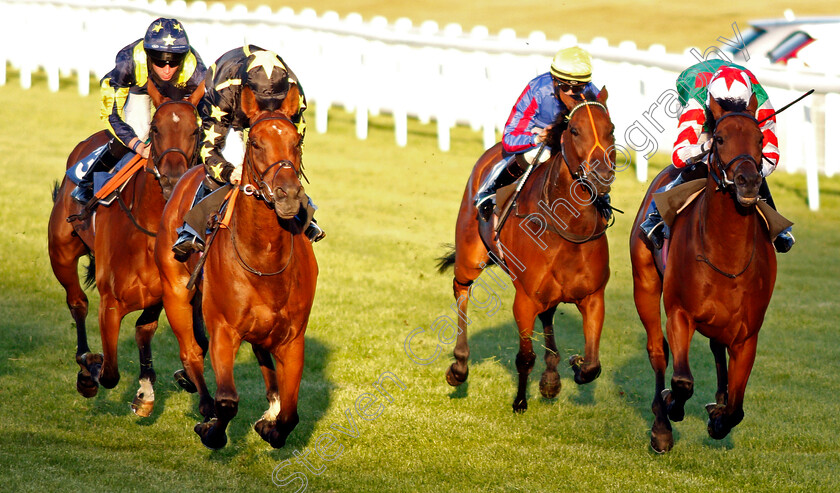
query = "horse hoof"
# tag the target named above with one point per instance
(520, 405)
(142, 407)
(184, 381)
(452, 377)
(109, 382)
(550, 384)
(661, 437)
(675, 412)
(715, 424)
(583, 376)
(210, 437)
(85, 385)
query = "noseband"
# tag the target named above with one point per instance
(157, 157)
(723, 182)
(263, 191)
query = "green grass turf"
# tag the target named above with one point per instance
(673, 24)
(387, 210)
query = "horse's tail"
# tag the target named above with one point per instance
(56, 187)
(90, 271)
(448, 259)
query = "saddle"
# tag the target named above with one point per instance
(672, 202)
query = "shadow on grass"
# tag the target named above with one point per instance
(501, 342)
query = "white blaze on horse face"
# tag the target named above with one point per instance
(175, 118)
(279, 131)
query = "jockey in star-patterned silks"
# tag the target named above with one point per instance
(536, 110)
(163, 57)
(224, 123)
(722, 81)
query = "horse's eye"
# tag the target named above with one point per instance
(574, 131)
(719, 141)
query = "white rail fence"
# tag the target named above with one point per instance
(445, 75)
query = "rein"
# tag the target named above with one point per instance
(581, 176)
(155, 158)
(724, 184)
(264, 193)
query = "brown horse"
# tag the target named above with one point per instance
(121, 239)
(570, 265)
(718, 279)
(258, 283)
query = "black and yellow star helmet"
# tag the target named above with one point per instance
(267, 76)
(166, 41)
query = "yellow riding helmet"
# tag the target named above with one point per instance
(572, 64)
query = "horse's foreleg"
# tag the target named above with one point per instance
(289, 372)
(111, 314)
(588, 367)
(550, 380)
(723, 418)
(525, 312)
(224, 345)
(458, 371)
(680, 331)
(719, 352)
(144, 330)
(272, 394)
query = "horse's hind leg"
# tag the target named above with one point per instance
(550, 380)
(147, 324)
(458, 371)
(723, 418)
(588, 367)
(525, 312)
(65, 251)
(647, 292)
(224, 345)
(289, 372)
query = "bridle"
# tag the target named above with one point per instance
(584, 168)
(155, 157)
(263, 191)
(723, 182)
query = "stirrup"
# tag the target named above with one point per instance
(82, 195)
(485, 206)
(186, 244)
(784, 242)
(314, 232)
(655, 233)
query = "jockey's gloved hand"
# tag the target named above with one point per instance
(602, 204)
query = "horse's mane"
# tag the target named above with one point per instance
(560, 125)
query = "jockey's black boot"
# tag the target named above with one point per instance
(504, 173)
(314, 232)
(110, 156)
(188, 241)
(785, 240)
(654, 227)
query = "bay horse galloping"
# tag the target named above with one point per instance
(555, 248)
(121, 240)
(718, 278)
(258, 282)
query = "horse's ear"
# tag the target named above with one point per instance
(249, 103)
(568, 101)
(753, 105)
(291, 104)
(196, 95)
(603, 95)
(715, 108)
(155, 95)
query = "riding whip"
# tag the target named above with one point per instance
(783, 108)
(506, 212)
